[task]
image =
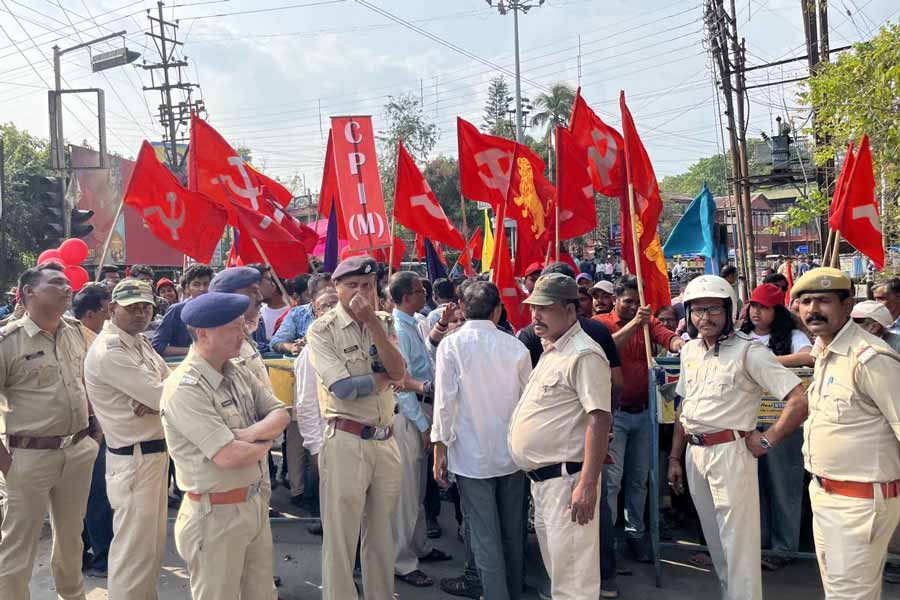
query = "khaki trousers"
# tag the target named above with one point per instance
(359, 483)
(296, 459)
(852, 536)
(410, 541)
(725, 490)
(571, 552)
(136, 486)
(228, 549)
(38, 479)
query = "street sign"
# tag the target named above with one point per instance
(113, 58)
(802, 249)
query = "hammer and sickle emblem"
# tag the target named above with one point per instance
(602, 155)
(499, 177)
(869, 213)
(174, 219)
(249, 191)
(431, 206)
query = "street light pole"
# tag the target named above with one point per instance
(503, 6)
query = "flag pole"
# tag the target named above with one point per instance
(108, 241)
(826, 251)
(465, 224)
(391, 251)
(835, 260)
(635, 242)
(269, 264)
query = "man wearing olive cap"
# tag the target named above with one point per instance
(851, 440)
(124, 379)
(352, 349)
(219, 422)
(559, 436)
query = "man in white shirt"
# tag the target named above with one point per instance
(480, 374)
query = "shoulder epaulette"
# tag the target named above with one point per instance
(113, 341)
(10, 328)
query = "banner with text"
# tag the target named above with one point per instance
(362, 202)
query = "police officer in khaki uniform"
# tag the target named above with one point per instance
(353, 352)
(44, 423)
(219, 423)
(124, 377)
(559, 435)
(723, 376)
(851, 438)
(245, 281)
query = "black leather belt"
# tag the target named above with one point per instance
(553, 471)
(151, 447)
(632, 410)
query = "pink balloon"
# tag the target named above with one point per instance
(48, 255)
(73, 251)
(77, 276)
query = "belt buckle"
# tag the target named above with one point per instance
(696, 439)
(66, 442)
(380, 433)
(253, 490)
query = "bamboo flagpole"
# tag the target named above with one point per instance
(835, 259)
(269, 264)
(635, 244)
(826, 251)
(391, 251)
(108, 241)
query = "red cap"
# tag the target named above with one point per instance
(164, 281)
(533, 268)
(768, 295)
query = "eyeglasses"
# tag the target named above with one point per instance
(709, 311)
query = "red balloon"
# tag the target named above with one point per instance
(48, 255)
(73, 251)
(77, 276)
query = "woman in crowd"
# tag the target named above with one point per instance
(781, 474)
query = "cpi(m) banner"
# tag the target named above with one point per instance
(362, 202)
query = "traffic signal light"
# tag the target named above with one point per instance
(47, 194)
(79, 221)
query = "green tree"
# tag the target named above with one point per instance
(405, 121)
(553, 108)
(714, 170)
(497, 109)
(860, 93)
(23, 225)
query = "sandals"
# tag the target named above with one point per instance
(435, 556)
(416, 579)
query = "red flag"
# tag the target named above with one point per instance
(188, 221)
(417, 208)
(647, 207)
(577, 213)
(215, 167)
(840, 185)
(298, 230)
(511, 294)
(473, 251)
(602, 146)
(789, 275)
(485, 162)
(329, 192)
(380, 254)
(858, 218)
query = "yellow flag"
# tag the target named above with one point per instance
(487, 248)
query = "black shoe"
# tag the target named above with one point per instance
(461, 586)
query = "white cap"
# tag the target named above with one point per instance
(876, 311)
(710, 286)
(604, 286)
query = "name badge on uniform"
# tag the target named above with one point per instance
(37, 354)
(227, 403)
(353, 348)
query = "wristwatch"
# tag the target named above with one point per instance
(764, 442)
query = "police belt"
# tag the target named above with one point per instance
(151, 447)
(718, 437)
(857, 489)
(553, 471)
(57, 442)
(235, 496)
(366, 432)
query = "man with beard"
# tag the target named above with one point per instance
(851, 442)
(604, 296)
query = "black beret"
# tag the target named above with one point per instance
(355, 265)
(214, 309)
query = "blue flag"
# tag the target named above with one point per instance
(331, 242)
(695, 231)
(433, 264)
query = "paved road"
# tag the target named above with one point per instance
(298, 563)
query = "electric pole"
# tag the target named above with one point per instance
(166, 76)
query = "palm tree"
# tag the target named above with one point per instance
(553, 109)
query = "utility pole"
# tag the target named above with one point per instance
(517, 6)
(172, 116)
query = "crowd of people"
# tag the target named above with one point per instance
(140, 393)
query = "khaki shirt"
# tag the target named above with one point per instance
(723, 390)
(339, 348)
(199, 408)
(41, 379)
(119, 370)
(549, 423)
(853, 427)
(251, 359)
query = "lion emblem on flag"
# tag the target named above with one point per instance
(528, 199)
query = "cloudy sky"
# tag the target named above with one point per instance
(272, 71)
